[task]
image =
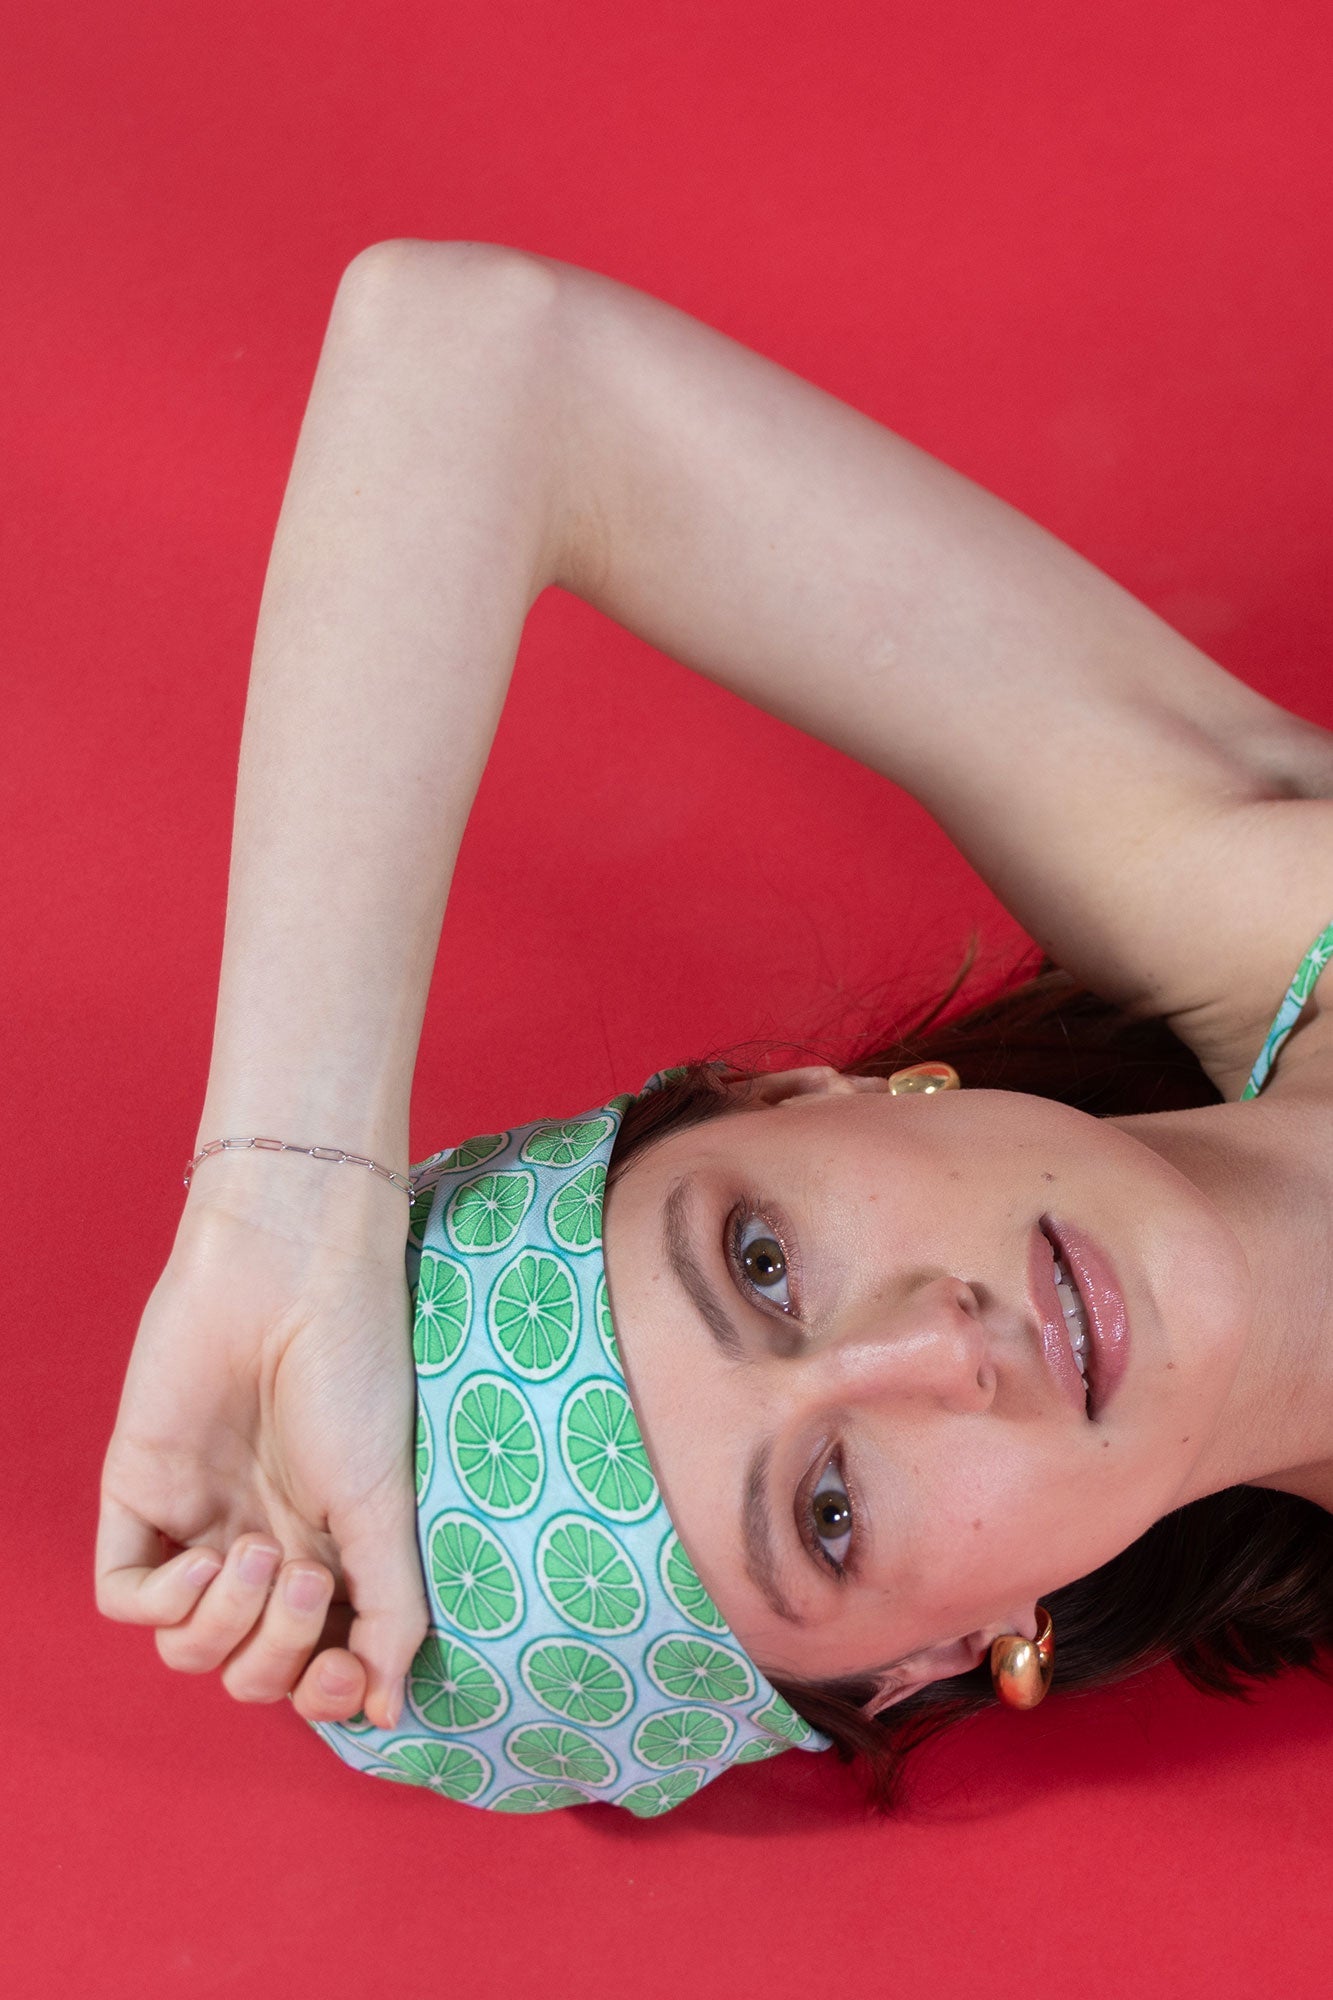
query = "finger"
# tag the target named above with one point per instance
(332, 1688)
(131, 1582)
(382, 1570)
(227, 1610)
(269, 1662)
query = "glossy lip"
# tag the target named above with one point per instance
(1045, 1303)
(1104, 1303)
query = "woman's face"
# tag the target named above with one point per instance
(822, 1300)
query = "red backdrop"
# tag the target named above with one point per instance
(1079, 253)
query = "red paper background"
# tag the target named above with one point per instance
(1082, 254)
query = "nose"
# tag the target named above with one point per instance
(929, 1343)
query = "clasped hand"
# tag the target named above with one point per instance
(269, 1404)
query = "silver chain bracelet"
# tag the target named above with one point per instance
(315, 1153)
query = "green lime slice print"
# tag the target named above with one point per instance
(661, 1077)
(565, 1145)
(549, 1750)
(496, 1446)
(474, 1581)
(580, 1682)
(451, 1688)
(759, 1747)
(606, 1332)
(538, 1798)
(682, 1736)
(690, 1669)
(574, 1212)
(424, 1451)
(419, 1213)
(357, 1725)
(472, 1153)
(587, 1577)
(485, 1214)
(659, 1795)
(604, 1454)
(683, 1587)
(454, 1770)
(533, 1314)
(781, 1719)
(443, 1309)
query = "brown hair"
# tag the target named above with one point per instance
(1234, 1587)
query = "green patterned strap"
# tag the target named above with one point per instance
(1298, 993)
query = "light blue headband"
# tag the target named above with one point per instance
(573, 1655)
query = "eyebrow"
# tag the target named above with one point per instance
(756, 1518)
(760, 1566)
(680, 1256)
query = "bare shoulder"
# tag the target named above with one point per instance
(1264, 894)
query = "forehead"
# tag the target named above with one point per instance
(828, 1132)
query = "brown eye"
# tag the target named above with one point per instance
(761, 1259)
(831, 1515)
(764, 1261)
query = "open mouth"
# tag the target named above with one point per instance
(1076, 1315)
(1075, 1321)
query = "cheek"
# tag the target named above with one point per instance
(1191, 1336)
(983, 1529)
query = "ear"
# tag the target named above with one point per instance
(939, 1663)
(814, 1080)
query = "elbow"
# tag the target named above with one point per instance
(407, 265)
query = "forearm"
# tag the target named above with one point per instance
(418, 526)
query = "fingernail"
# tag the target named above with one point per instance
(257, 1565)
(395, 1705)
(304, 1589)
(202, 1571)
(336, 1680)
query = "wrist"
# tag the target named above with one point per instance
(287, 1188)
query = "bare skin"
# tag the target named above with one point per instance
(897, 1355)
(486, 423)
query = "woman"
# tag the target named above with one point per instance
(866, 1428)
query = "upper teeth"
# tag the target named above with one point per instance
(1075, 1317)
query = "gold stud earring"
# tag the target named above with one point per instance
(1021, 1668)
(924, 1078)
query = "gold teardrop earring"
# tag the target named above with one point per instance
(1021, 1668)
(924, 1079)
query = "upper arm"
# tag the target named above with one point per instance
(1131, 803)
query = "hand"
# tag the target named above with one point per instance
(270, 1400)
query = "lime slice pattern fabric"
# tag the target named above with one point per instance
(606, 1332)
(573, 1657)
(533, 1315)
(682, 1736)
(1294, 1002)
(475, 1583)
(550, 1751)
(496, 1445)
(425, 1451)
(604, 1454)
(587, 1578)
(581, 1682)
(442, 1310)
(452, 1688)
(566, 1145)
(485, 1214)
(687, 1667)
(574, 1212)
(683, 1587)
(447, 1768)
